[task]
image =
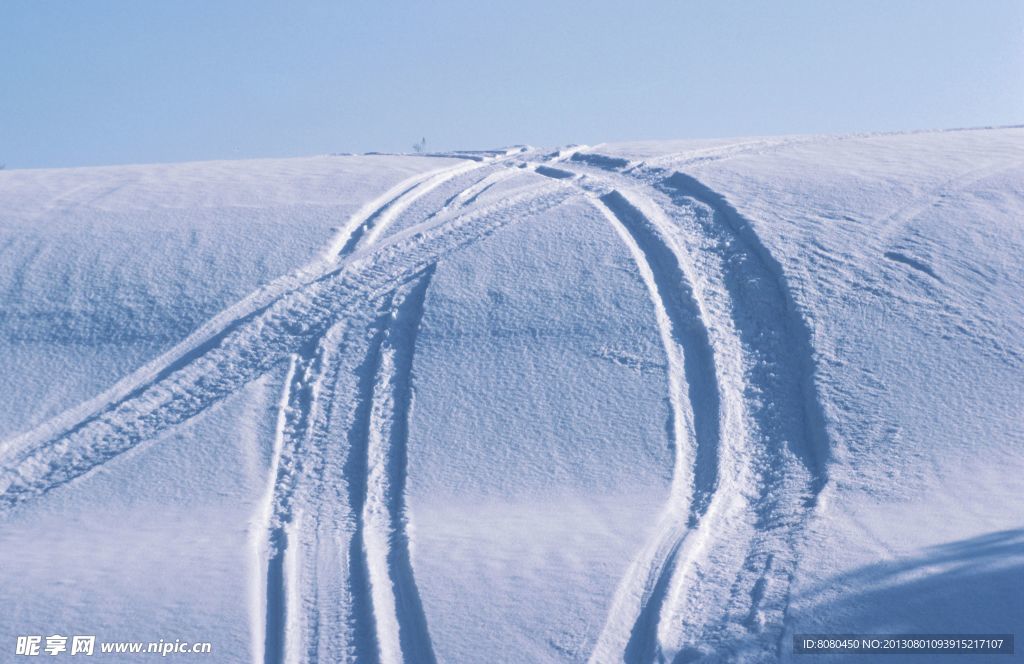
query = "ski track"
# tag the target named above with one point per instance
(734, 337)
(335, 561)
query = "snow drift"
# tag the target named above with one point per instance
(670, 401)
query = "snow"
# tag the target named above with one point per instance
(658, 401)
(103, 269)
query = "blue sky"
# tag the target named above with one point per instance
(126, 81)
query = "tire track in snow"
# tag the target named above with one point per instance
(739, 551)
(754, 275)
(325, 572)
(361, 230)
(670, 278)
(371, 636)
(469, 195)
(657, 611)
(200, 375)
(364, 228)
(630, 632)
(694, 366)
(353, 504)
(365, 640)
(295, 417)
(268, 629)
(290, 327)
(401, 626)
(211, 333)
(304, 429)
(784, 458)
(368, 225)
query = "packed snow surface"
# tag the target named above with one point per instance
(664, 401)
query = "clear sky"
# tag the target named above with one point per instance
(126, 81)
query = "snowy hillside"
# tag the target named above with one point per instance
(669, 401)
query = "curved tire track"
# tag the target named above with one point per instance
(735, 550)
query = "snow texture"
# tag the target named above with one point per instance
(645, 402)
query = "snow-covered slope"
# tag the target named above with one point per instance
(638, 402)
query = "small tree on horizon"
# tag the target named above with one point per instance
(421, 146)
